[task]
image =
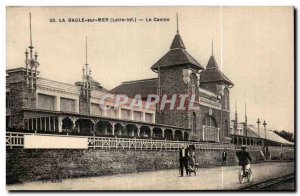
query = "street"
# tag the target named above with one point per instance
(218, 178)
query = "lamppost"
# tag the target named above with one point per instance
(258, 122)
(265, 124)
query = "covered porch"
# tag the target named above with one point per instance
(42, 121)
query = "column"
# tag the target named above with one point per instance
(163, 132)
(218, 135)
(182, 132)
(138, 130)
(45, 121)
(49, 120)
(59, 119)
(112, 127)
(54, 127)
(73, 119)
(151, 131)
(173, 133)
(94, 126)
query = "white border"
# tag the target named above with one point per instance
(5, 3)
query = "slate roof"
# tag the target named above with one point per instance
(212, 73)
(251, 133)
(131, 88)
(177, 42)
(270, 135)
(177, 55)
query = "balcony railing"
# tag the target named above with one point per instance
(16, 140)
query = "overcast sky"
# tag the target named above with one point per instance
(252, 45)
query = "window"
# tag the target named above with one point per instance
(137, 116)
(67, 105)
(148, 117)
(111, 112)
(96, 110)
(45, 102)
(209, 121)
(125, 114)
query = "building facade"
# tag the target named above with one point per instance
(36, 104)
(180, 74)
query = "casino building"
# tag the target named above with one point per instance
(37, 104)
(179, 73)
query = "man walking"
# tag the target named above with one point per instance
(183, 158)
(224, 158)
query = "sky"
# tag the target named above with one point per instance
(254, 47)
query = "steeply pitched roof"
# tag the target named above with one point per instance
(177, 42)
(176, 56)
(131, 88)
(212, 73)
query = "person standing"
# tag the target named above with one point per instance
(183, 158)
(224, 158)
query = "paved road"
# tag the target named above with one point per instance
(207, 179)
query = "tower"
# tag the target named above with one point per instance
(31, 63)
(86, 85)
(177, 74)
(22, 84)
(212, 79)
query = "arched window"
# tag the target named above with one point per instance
(209, 121)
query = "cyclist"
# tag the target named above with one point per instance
(244, 159)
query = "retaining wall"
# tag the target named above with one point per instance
(31, 165)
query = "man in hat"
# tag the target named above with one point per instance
(224, 158)
(183, 158)
(244, 159)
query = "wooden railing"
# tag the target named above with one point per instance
(16, 140)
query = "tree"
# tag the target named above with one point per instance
(286, 135)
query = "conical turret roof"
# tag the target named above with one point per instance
(212, 73)
(177, 42)
(177, 55)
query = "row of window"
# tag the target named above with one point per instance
(47, 102)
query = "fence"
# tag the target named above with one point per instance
(16, 140)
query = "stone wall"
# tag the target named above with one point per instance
(30, 165)
(20, 96)
(171, 82)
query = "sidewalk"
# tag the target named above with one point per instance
(218, 178)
